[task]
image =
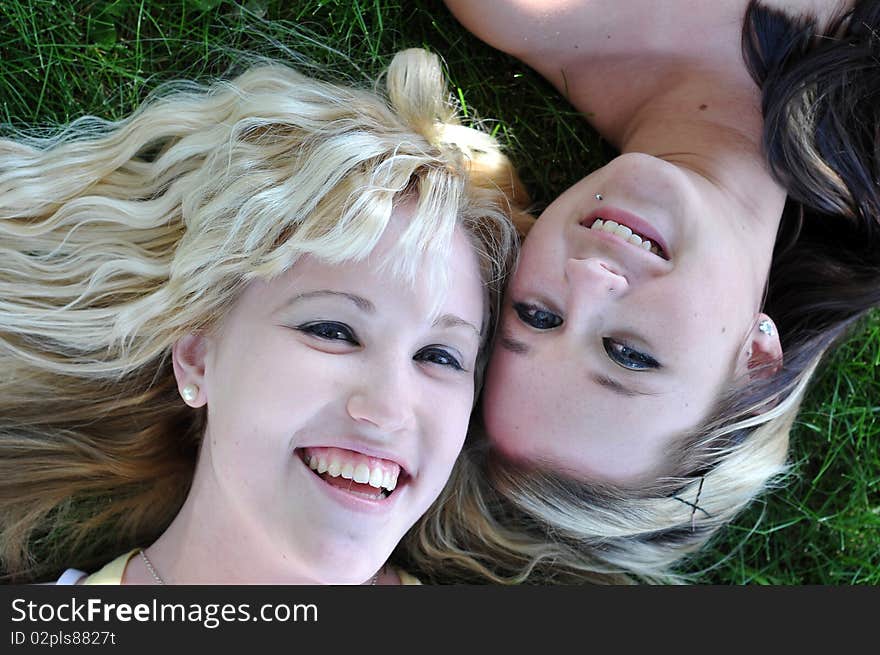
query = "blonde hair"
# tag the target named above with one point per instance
(505, 523)
(119, 238)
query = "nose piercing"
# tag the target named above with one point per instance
(190, 392)
(766, 327)
(598, 196)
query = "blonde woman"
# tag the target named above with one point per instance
(242, 330)
(669, 309)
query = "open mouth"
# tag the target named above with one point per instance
(371, 478)
(626, 233)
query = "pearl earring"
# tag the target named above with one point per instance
(766, 327)
(190, 392)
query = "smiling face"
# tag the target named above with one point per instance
(610, 348)
(327, 388)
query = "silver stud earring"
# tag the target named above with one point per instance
(190, 392)
(598, 196)
(766, 327)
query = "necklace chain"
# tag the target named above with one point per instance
(151, 568)
(159, 580)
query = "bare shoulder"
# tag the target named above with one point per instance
(523, 27)
(516, 26)
(604, 39)
(536, 31)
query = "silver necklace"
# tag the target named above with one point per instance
(151, 568)
(159, 580)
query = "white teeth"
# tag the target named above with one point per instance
(625, 233)
(361, 473)
(647, 245)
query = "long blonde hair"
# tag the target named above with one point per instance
(118, 238)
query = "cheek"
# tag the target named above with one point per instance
(445, 432)
(506, 404)
(537, 259)
(266, 390)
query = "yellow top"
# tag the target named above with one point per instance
(111, 573)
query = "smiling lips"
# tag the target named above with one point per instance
(629, 228)
(354, 472)
(626, 234)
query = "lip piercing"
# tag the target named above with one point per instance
(190, 392)
(598, 196)
(766, 327)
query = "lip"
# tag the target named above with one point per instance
(350, 501)
(636, 223)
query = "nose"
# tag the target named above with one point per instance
(385, 400)
(595, 278)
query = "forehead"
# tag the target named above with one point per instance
(372, 278)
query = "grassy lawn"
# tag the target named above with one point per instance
(59, 60)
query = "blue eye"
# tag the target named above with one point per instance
(439, 356)
(330, 331)
(536, 317)
(627, 357)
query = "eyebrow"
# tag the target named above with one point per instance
(453, 321)
(617, 387)
(514, 345)
(362, 303)
(444, 321)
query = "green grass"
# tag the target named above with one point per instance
(59, 60)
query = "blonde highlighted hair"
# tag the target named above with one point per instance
(118, 238)
(505, 523)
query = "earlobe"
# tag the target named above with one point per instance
(188, 359)
(763, 354)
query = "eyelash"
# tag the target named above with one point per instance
(617, 351)
(341, 332)
(527, 312)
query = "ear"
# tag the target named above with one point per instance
(762, 355)
(188, 358)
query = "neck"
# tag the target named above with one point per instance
(213, 540)
(715, 131)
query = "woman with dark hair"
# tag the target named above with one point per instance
(668, 310)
